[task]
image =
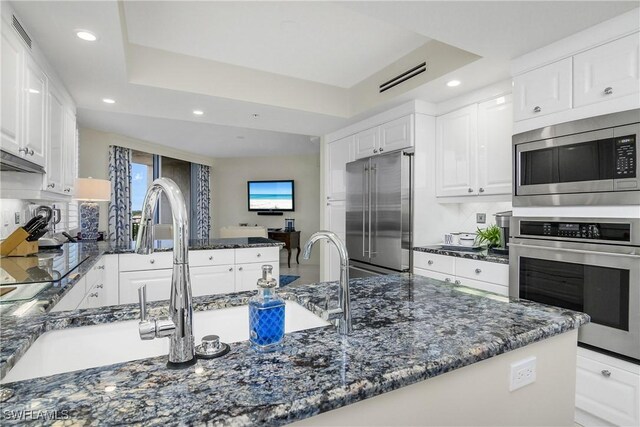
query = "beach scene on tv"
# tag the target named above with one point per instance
(271, 195)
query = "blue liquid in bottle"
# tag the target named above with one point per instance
(266, 314)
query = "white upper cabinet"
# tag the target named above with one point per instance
(55, 147)
(11, 89)
(35, 108)
(608, 71)
(366, 143)
(543, 91)
(338, 154)
(495, 128)
(70, 150)
(456, 134)
(396, 134)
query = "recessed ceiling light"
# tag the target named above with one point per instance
(34, 91)
(453, 83)
(198, 112)
(86, 35)
(108, 101)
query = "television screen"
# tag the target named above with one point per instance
(270, 195)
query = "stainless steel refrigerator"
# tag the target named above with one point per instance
(379, 214)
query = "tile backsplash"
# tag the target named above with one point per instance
(467, 214)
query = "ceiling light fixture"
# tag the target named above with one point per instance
(108, 101)
(198, 112)
(453, 83)
(86, 35)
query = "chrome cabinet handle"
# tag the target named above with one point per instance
(606, 373)
(31, 152)
(608, 90)
(381, 149)
(152, 261)
(430, 262)
(481, 190)
(211, 258)
(100, 286)
(259, 255)
(537, 109)
(375, 151)
(24, 150)
(230, 268)
(52, 185)
(93, 295)
(470, 190)
(478, 271)
(457, 282)
(100, 267)
(240, 268)
(448, 280)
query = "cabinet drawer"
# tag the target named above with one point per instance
(483, 286)
(96, 297)
(158, 285)
(483, 270)
(95, 273)
(212, 257)
(249, 255)
(440, 263)
(608, 392)
(433, 275)
(155, 261)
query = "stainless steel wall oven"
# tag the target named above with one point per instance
(585, 162)
(583, 264)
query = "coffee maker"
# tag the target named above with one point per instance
(502, 221)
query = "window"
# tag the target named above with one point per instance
(141, 178)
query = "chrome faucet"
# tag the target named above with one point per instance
(343, 313)
(179, 327)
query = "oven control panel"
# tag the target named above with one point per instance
(577, 230)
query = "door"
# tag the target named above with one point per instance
(396, 134)
(495, 128)
(339, 153)
(357, 210)
(543, 91)
(366, 143)
(55, 147)
(336, 222)
(607, 72)
(456, 141)
(70, 152)
(219, 279)
(386, 210)
(11, 103)
(158, 285)
(35, 95)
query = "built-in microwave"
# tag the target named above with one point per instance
(590, 265)
(585, 162)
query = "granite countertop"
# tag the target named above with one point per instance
(480, 255)
(91, 251)
(406, 329)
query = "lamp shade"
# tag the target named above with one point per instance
(93, 190)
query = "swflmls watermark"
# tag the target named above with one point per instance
(35, 415)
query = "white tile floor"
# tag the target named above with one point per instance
(309, 273)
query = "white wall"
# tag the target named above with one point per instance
(229, 192)
(94, 157)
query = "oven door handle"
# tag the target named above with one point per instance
(575, 251)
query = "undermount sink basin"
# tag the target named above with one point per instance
(86, 347)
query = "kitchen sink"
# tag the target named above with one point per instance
(73, 349)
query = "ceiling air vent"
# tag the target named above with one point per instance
(401, 78)
(21, 31)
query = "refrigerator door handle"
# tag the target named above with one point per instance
(365, 185)
(373, 215)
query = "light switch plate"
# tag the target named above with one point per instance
(16, 218)
(481, 218)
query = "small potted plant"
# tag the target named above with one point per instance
(489, 236)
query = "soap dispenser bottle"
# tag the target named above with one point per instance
(266, 314)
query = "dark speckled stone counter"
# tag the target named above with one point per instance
(406, 329)
(480, 255)
(200, 245)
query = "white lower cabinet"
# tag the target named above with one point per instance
(219, 279)
(607, 390)
(482, 275)
(247, 275)
(73, 298)
(158, 285)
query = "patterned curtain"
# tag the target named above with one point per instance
(200, 201)
(120, 204)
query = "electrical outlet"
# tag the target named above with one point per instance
(522, 373)
(16, 218)
(481, 218)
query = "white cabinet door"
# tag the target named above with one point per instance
(335, 220)
(456, 136)
(11, 90)
(495, 128)
(339, 153)
(396, 134)
(55, 146)
(608, 71)
(366, 143)
(543, 91)
(247, 276)
(218, 279)
(158, 285)
(483, 286)
(70, 150)
(434, 275)
(35, 106)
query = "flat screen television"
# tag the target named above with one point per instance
(272, 196)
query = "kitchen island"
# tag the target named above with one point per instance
(407, 329)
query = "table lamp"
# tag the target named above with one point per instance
(90, 191)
